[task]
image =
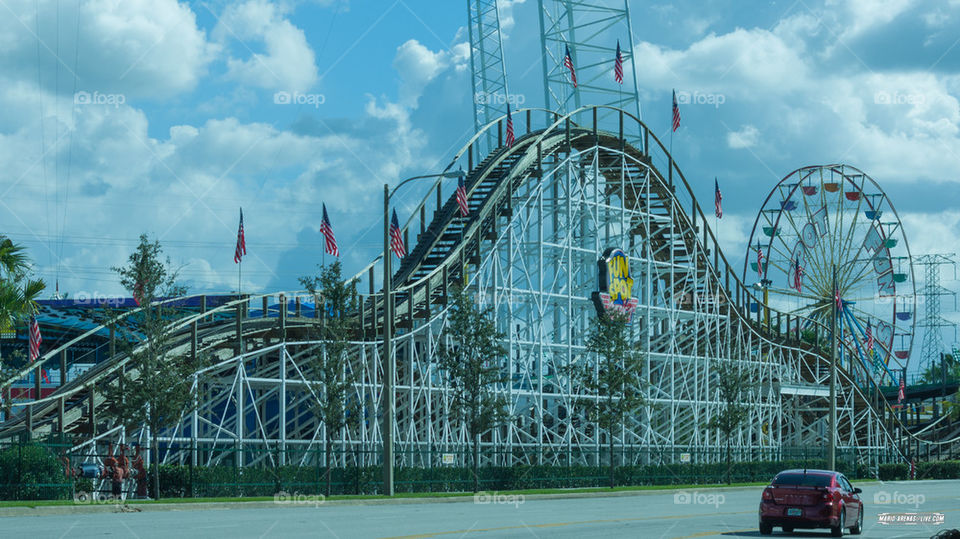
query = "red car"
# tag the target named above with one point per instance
(811, 499)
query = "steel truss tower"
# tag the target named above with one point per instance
(933, 322)
(590, 29)
(490, 92)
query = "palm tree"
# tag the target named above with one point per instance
(18, 292)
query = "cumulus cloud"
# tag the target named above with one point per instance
(418, 66)
(150, 48)
(745, 137)
(287, 62)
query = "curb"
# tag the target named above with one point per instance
(50, 510)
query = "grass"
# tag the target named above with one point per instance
(408, 495)
(413, 495)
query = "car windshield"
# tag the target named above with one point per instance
(802, 479)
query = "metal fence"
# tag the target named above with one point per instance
(48, 471)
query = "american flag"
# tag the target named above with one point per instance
(568, 63)
(717, 199)
(676, 112)
(35, 339)
(798, 276)
(759, 261)
(462, 198)
(241, 242)
(869, 337)
(901, 391)
(330, 241)
(396, 239)
(618, 65)
(510, 136)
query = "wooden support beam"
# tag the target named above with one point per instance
(426, 296)
(445, 281)
(29, 421)
(37, 376)
(92, 411)
(193, 341)
(63, 367)
(61, 405)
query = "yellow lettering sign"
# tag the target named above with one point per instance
(620, 284)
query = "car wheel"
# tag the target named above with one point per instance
(765, 528)
(856, 530)
(837, 531)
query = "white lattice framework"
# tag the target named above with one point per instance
(530, 251)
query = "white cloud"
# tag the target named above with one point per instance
(288, 62)
(150, 48)
(507, 20)
(858, 16)
(746, 137)
(742, 62)
(931, 232)
(418, 66)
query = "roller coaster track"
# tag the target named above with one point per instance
(696, 309)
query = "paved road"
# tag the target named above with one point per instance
(706, 513)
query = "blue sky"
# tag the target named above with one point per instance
(188, 130)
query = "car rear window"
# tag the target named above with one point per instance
(802, 479)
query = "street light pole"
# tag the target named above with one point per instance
(833, 375)
(388, 359)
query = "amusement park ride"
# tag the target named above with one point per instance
(580, 180)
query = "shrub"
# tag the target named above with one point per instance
(31, 472)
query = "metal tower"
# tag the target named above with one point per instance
(933, 323)
(490, 95)
(590, 29)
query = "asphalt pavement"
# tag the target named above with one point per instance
(660, 514)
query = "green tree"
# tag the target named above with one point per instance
(154, 389)
(613, 380)
(337, 405)
(18, 292)
(935, 370)
(733, 384)
(470, 358)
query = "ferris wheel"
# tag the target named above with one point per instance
(834, 224)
